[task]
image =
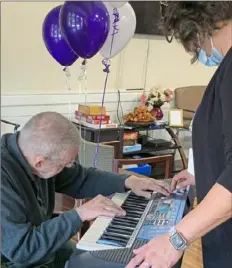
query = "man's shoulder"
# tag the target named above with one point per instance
(7, 160)
(11, 170)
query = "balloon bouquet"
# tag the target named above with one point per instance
(81, 29)
(84, 28)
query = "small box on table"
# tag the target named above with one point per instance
(91, 110)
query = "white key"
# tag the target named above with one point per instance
(88, 241)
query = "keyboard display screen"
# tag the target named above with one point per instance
(163, 214)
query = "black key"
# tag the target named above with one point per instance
(114, 237)
(133, 214)
(118, 225)
(119, 230)
(136, 203)
(136, 199)
(126, 223)
(132, 210)
(126, 218)
(113, 234)
(141, 208)
(133, 194)
(121, 242)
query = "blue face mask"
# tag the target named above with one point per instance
(214, 60)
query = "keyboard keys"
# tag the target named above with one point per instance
(120, 229)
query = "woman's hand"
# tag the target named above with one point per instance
(158, 253)
(182, 180)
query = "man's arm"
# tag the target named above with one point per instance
(80, 182)
(23, 243)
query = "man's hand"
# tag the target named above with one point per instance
(144, 186)
(182, 180)
(158, 253)
(99, 206)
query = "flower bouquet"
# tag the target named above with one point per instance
(155, 100)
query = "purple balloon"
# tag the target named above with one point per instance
(55, 41)
(85, 26)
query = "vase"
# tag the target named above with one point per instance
(157, 113)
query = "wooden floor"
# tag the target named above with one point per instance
(192, 257)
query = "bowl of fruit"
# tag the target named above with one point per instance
(139, 117)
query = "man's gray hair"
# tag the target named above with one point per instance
(48, 134)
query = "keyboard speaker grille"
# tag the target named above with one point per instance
(122, 256)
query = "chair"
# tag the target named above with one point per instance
(106, 153)
(188, 100)
(16, 126)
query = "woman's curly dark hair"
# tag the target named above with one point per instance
(188, 21)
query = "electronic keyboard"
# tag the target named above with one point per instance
(145, 219)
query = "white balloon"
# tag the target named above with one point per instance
(117, 4)
(126, 30)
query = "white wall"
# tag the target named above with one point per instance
(27, 67)
(19, 108)
(32, 81)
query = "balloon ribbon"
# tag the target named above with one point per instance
(106, 63)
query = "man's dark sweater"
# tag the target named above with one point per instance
(29, 234)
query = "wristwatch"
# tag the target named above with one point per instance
(177, 240)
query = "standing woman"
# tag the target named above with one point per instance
(205, 30)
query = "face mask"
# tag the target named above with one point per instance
(214, 60)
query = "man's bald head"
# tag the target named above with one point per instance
(49, 142)
(48, 134)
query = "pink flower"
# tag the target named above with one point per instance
(169, 95)
(143, 99)
(169, 91)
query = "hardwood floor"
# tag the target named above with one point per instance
(192, 257)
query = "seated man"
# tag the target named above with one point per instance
(37, 162)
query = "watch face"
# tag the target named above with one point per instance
(177, 240)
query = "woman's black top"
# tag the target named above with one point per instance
(212, 150)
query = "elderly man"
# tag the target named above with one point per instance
(37, 162)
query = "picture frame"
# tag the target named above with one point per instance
(175, 118)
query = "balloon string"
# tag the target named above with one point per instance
(83, 77)
(68, 75)
(146, 66)
(116, 20)
(84, 65)
(106, 63)
(99, 130)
